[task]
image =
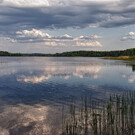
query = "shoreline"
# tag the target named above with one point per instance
(121, 58)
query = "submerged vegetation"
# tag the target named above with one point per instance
(113, 117)
(128, 52)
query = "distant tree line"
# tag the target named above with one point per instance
(2, 53)
(128, 52)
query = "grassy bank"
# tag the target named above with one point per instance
(121, 58)
(114, 117)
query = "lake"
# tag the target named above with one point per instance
(33, 89)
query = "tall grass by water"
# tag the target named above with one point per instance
(116, 116)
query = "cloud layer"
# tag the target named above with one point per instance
(35, 36)
(25, 3)
(20, 14)
(19, 17)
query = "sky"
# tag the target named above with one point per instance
(51, 26)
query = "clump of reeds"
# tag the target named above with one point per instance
(114, 117)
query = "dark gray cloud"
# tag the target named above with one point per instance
(72, 14)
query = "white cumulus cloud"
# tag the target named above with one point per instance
(35, 36)
(34, 33)
(129, 36)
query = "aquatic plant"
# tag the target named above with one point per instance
(90, 117)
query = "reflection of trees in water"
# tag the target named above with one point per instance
(132, 65)
(133, 68)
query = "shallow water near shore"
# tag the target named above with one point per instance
(33, 89)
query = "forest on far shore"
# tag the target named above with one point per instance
(128, 52)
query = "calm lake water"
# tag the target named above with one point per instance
(33, 89)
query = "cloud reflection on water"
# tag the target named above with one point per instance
(130, 77)
(24, 119)
(81, 71)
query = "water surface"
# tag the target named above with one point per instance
(33, 89)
